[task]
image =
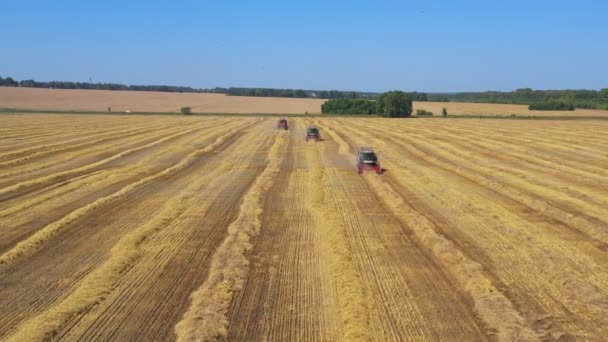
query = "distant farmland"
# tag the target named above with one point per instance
(149, 101)
(144, 101)
(460, 108)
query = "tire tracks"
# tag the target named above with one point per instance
(206, 318)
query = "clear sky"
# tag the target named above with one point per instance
(346, 45)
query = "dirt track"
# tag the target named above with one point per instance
(156, 228)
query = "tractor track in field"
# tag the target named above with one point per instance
(206, 317)
(353, 248)
(286, 264)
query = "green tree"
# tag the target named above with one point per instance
(396, 104)
(604, 93)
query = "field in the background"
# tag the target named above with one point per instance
(459, 108)
(149, 101)
(139, 101)
(156, 227)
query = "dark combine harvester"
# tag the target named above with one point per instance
(368, 160)
(282, 124)
(313, 133)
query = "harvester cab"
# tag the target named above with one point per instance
(312, 132)
(367, 160)
(282, 124)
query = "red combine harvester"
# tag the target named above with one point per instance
(312, 133)
(367, 160)
(282, 124)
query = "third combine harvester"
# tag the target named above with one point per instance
(282, 124)
(312, 133)
(367, 159)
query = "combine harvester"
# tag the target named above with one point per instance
(367, 160)
(282, 124)
(312, 133)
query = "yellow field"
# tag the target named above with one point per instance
(456, 108)
(196, 228)
(146, 101)
(149, 101)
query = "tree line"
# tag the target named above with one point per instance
(527, 96)
(390, 104)
(232, 91)
(10, 82)
(551, 105)
(296, 93)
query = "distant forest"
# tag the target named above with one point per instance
(526, 96)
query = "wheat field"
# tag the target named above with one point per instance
(149, 101)
(205, 228)
(146, 101)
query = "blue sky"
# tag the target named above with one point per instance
(347, 45)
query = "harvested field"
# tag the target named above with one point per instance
(149, 101)
(459, 108)
(203, 228)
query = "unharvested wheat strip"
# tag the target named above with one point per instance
(589, 294)
(34, 242)
(206, 318)
(494, 308)
(102, 178)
